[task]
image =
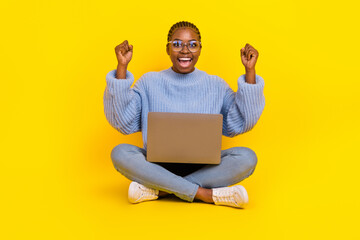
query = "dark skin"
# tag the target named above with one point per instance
(248, 54)
(124, 51)
(186, 35)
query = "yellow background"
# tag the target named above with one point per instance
(57, 179)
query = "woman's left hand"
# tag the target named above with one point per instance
(249, 56)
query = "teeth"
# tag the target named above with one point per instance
(184, 59)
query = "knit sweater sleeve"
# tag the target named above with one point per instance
(242, 110)
(122, 104)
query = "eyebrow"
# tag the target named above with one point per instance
(183, 40)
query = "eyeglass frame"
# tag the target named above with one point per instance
(186, 44)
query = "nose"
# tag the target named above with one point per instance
(185, 48)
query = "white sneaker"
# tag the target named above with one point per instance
(139, 193)
(235, 196)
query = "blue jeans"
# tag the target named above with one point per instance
(183, 180)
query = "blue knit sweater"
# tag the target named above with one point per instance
(127, 108)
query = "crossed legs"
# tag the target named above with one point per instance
(236, 164)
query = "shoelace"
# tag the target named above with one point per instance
(147, 193)
(226, 196)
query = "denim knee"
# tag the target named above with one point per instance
(119, 153)
(248, 155)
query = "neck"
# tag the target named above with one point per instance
(175, 70)
(183, 78)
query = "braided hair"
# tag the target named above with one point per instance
(181, 25)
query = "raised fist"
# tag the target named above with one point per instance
(249, 56)
(124, 53)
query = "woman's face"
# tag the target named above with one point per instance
(188, 59)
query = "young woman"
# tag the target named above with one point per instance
(184, 88)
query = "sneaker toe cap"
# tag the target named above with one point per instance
(241, 196)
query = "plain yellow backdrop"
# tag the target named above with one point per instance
(57, 180)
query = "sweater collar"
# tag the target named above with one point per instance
(183, 77)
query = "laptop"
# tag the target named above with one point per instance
(184, 137)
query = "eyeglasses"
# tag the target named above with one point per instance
(193, 46)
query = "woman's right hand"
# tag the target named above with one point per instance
(124, 53)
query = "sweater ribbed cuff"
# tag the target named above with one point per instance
(250, 98)
(116, 85)
(259, 81)
(251, 90)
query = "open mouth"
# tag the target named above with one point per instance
(184, 62)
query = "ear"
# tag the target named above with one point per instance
(167, 49)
